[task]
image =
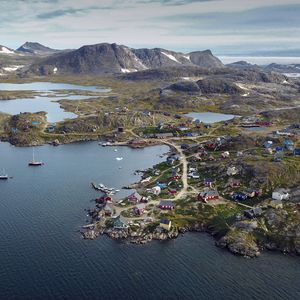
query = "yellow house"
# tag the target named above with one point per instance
(165, 224)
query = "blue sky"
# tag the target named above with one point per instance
(225, 26)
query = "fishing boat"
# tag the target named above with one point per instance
(33, 162)
(3, 175)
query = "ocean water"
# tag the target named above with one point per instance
(47, 102)
(42, 255)
(261, 60)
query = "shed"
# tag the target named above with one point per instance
(165, 224)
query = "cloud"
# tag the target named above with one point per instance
(175, 2)
(177, 24)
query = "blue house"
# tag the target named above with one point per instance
(279, 149)
(239, 196)
(268, 144)
(297, 152)
(289, 145)
(162, 185)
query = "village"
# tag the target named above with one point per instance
(231, 185)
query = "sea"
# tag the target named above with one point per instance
(43, 256)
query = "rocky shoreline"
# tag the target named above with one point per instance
(141, 238)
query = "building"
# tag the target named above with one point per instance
(208, 195)
(297, 152)
(156, 190)
(280, 194)
(225, 155)
(166, 204)
(239, 196)
(120, 223)
(165, 224)
(108, 209)
(289, 145)
(277, 204)
(140, 209)
(209, 182)
(135, 197)
(164, 135)
(194, 175)
(232, 171)
(234, 183)
(253, 212)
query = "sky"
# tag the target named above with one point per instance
(224, 26)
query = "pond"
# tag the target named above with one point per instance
(50, 93)
(210, 117)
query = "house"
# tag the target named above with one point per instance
(147, 113)
(209, 182)
(253, 212)
(268, 144)
(164, 135)
(156, 190)
(280, 194)
(184, 146)
(297, 152)
(172, 158)
(165, 224)
(120, 222)
(239, 196)
(251, 193)
(289, 145)
(208, 195)
(225, 155)
(279, 149)
(135, 197)
(233, 183)
(162, 185)
(277, 204)
(173, 191)
(108, 209)
(194, 175)
(232, 171)
(140, 209)
(278, 156)
(166, 204)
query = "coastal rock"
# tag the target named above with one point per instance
(239, 242)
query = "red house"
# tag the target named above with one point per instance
(166, 204)
(208, 195)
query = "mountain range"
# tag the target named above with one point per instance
(104, 58)
(112, 58)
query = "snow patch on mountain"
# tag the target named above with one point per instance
(170, 56)
(128, 70)
(5, 50)
(12, 68)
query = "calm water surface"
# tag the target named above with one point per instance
(210, 117)
(42, 256)
(46, 102)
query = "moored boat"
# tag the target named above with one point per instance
(33, 162)
(3, 175)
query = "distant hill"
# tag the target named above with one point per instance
(112, 58)
(36, 48)
(6, 50)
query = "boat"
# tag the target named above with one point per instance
(3, 175)
(119, 158)
(33, 162)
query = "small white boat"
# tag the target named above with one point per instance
(116, 150)
(3, 175)
(119, 158)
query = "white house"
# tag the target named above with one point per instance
(156, 190)
(280, 194)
